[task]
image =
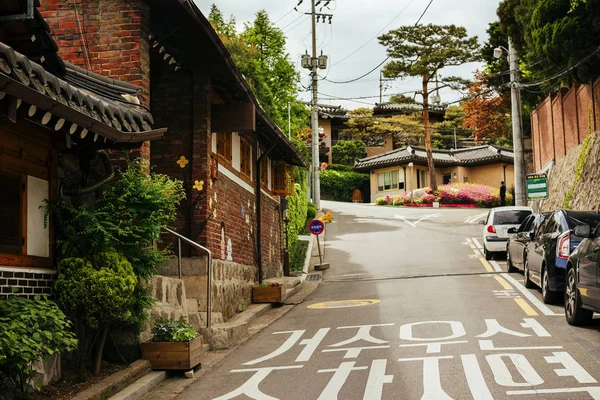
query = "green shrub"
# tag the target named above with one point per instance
(340, 167)
(338, 185)
(298, 255)
(297, 206)
(30, 330)
(398, 201)
(311, 212)
(173, 330)
(348, 151)
(96, 295)
(381, 201)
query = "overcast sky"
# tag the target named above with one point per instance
(356, 23)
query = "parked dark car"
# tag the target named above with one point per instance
(582, 292)
(517, 242)
(549, 250)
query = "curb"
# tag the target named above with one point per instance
(140, 387)
(116, 382)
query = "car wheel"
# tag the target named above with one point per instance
(575, 314)
(509, 265)
(526, 281)
(488, 254)
(548, 296)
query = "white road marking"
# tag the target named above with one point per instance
(458, 330)
(288, 344)
(536, 327)
(364, 333)
(503, 376)
(572, 367)
(593, 391)
(534, 300)
(479, 246)
(477, 385)
(488, 345)
(432, 385)
(415, 223)
(311, 345)
(496, 266)
(377, 378)
(475, 218)
(494, 328)
(354, 352)
(433, 348)
(250, 388)
(340, 377)
(349, 275)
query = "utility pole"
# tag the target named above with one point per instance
(315, 113)
(314, 62)
(517, 124)
(455, 145)
(380, 87)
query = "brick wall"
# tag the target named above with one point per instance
(562, 121)
(110, 37)
(26, 282)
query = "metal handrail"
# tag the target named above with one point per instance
(208, 270)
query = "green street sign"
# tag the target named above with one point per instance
(537, 186)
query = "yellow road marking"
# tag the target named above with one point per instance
(343, 304)
(504, 284)
(526, 307)
(471, 245)
(477, 252)
(486, 264)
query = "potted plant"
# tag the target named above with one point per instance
(267, 292)
(174, 345)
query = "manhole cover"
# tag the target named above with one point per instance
(343, 304)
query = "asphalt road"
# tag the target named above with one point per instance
(433, 320)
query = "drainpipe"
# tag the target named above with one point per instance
(257, 194)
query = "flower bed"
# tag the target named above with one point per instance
(453, 195)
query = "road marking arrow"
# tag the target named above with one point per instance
(415, 223)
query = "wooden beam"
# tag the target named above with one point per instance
(233, 117)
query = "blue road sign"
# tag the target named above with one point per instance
(316, 227)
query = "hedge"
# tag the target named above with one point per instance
(339, 185)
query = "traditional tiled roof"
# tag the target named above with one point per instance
(405, 108)
(463, 157)
(65, 97)
(328, 111)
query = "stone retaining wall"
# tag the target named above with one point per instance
(586, 192)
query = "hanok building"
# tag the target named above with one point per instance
(236, 163)
(331, 123)
(403, 170)
(55, 119)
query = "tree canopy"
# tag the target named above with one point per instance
(260, 55)
(423, 51)
(553, 36)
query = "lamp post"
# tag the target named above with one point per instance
(515, 97)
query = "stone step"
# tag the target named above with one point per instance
(198, 319)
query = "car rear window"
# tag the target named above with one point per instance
(591, 219)
(510, 217)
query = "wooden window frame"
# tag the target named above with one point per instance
(225, 147)
(282, 178)
(246, 157)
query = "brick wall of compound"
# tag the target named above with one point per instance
(562, 121)
(26, 282)
(109, 37)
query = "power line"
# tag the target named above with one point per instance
(294, 21)
(564, 72)
(298, 24)
(387, 58)
(382, 29)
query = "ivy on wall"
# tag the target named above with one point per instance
(584, 153)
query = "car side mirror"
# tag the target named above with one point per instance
(583, 231)
(512, 231)
(482, 222)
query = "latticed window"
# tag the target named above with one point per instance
(246, 157)
(283, 179)
(10, 212)
(224, 145)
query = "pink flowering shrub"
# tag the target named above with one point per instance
(467, 193)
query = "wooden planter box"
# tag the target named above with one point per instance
(267, 294)
(173, 355)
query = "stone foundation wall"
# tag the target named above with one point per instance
(171, 301)
(586, 191)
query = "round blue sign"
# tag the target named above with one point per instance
(316, 227)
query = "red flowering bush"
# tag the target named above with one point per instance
(467, 193)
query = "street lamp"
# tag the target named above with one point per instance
(515, 97)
